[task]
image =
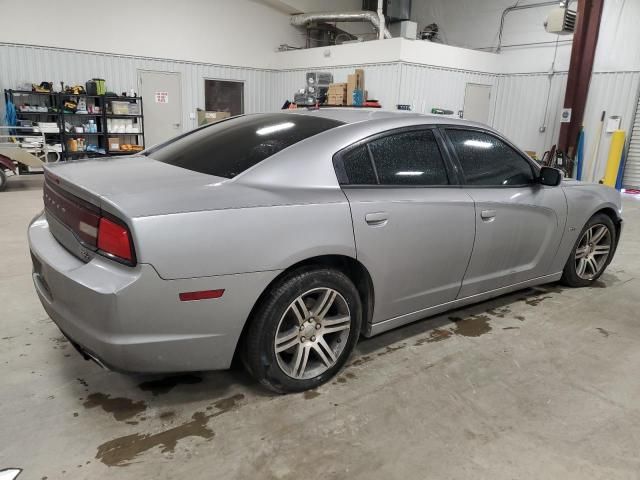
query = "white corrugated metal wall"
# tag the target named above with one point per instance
(517, 107)
(28, 64)
(527, 102)
(632, 168)
(614, 93)
(425, 87)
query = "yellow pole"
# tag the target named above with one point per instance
(615, 156)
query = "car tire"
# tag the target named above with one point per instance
(585, 265)
(288, 350)
(3, 180)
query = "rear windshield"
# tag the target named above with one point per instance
(228, 148)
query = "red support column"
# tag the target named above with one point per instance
(585, 39)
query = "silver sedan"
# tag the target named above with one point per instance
(284, 237)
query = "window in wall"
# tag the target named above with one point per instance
(224, 96)
(486, 160)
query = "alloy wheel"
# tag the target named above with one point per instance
(312, 333)
(593, 251)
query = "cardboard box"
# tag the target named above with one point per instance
(336, 99)
(352, 84)
(337, 88)
(360, 78)
(211, 117)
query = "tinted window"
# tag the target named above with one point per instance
(486, 160)
(228, 148)
(358, 167)
(409, 158)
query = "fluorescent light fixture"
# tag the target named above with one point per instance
(477, 143)
(275, 128)
(410, 173)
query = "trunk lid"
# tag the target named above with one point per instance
(131, 187)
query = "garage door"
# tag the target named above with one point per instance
(632, 168)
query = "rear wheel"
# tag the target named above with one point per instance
(591, 253)
(304, 330)
(3, 180)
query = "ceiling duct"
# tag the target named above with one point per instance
(303, 19)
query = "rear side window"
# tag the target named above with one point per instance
(410, 158)
(406, 158)
(488, 161)
(358, 167)
(228, 148)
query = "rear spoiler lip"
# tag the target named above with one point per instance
(70, 187)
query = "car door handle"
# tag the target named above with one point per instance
(377, 218)
(488, 214)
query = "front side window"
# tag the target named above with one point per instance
(488, 161)
(406, 158)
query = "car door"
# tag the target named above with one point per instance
(519, 222)
(413, 227)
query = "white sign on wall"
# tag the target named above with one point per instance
(162, 97)
(565, 115)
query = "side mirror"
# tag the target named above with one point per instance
(550, 176)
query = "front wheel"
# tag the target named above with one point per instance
(304, 330)
(592, 252)
(3, 180)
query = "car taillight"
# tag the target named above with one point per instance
(114, 239)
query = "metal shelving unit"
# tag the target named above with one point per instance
(137, 118)
(56, 113)
(46, 99)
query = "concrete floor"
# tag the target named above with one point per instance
(543, 383)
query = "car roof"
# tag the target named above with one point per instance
(360, 114)
(285, 168)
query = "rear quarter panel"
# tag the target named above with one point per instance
(231, 241)
(583, 201)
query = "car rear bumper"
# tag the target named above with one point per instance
(130, 319)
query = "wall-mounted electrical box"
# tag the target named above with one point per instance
(394, 10)
(404, 29)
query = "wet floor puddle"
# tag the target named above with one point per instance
(121, 408)
(122, 451)
(472, 326)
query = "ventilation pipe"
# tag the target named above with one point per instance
(375, 18)
(381, 28)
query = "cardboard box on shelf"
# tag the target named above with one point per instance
(337, 88)
(336, 99)
(211, 117)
